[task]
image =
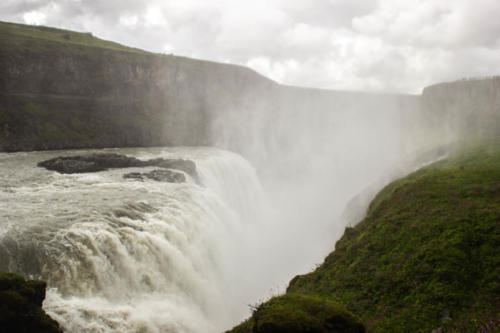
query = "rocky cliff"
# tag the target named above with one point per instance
(467, 108)
(63, 89)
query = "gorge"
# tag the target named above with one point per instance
(278, 165)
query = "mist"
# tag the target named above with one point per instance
(283, 171)
(321, 156)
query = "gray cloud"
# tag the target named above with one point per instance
(385, 45)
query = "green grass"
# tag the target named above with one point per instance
(293, 313)
(40, 37)
(44, 122)
(42, 40)
(428, 246)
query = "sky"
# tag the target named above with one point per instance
(370, 45)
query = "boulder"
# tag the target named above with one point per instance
(105, 161)
(89, 163)
(21, 306)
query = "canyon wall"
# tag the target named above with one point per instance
(61, 89)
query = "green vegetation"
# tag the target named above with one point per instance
(36, 38)
(426, 256)
(44, 122)
(293, 313)
(21, 306)
(428, 246)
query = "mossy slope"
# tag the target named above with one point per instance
(428, 247)
(293, 313)
(427, 254)
(21, 306)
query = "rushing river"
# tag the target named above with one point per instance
(122, 255)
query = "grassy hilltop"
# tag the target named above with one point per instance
(426, 255)
(46, 39)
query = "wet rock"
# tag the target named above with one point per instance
(134, 175)
(187, 166)
(166, 175)
(105, 161)
(70, 166)
(90, 163)
(160, 175)
(21, 306)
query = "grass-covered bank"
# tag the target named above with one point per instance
(294, 313)
(427, 254)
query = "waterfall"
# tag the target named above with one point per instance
(127, 256)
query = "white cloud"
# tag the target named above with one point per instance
(129, 20)
(394, 45)
(34, 17)
(154, 17)
(279, 71)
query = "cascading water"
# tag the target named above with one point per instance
(127, 256)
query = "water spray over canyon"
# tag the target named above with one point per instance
(284, 170)
(129, 256)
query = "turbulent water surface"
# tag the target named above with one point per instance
(122, 255)
(128, 256)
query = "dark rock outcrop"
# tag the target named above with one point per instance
(21, 306)
(105, 161)
(162, 175)
(187, 166)
(90, 163)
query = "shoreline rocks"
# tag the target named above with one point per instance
(21, 306)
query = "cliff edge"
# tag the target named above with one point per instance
(64, 89)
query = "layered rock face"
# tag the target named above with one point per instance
(467, 108)
(61, 89)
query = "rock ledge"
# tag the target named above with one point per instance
(105, 161)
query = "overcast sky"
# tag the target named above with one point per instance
(384, 45)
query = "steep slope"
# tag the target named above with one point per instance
(62, 89)
(426, 255)
(463, 109)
